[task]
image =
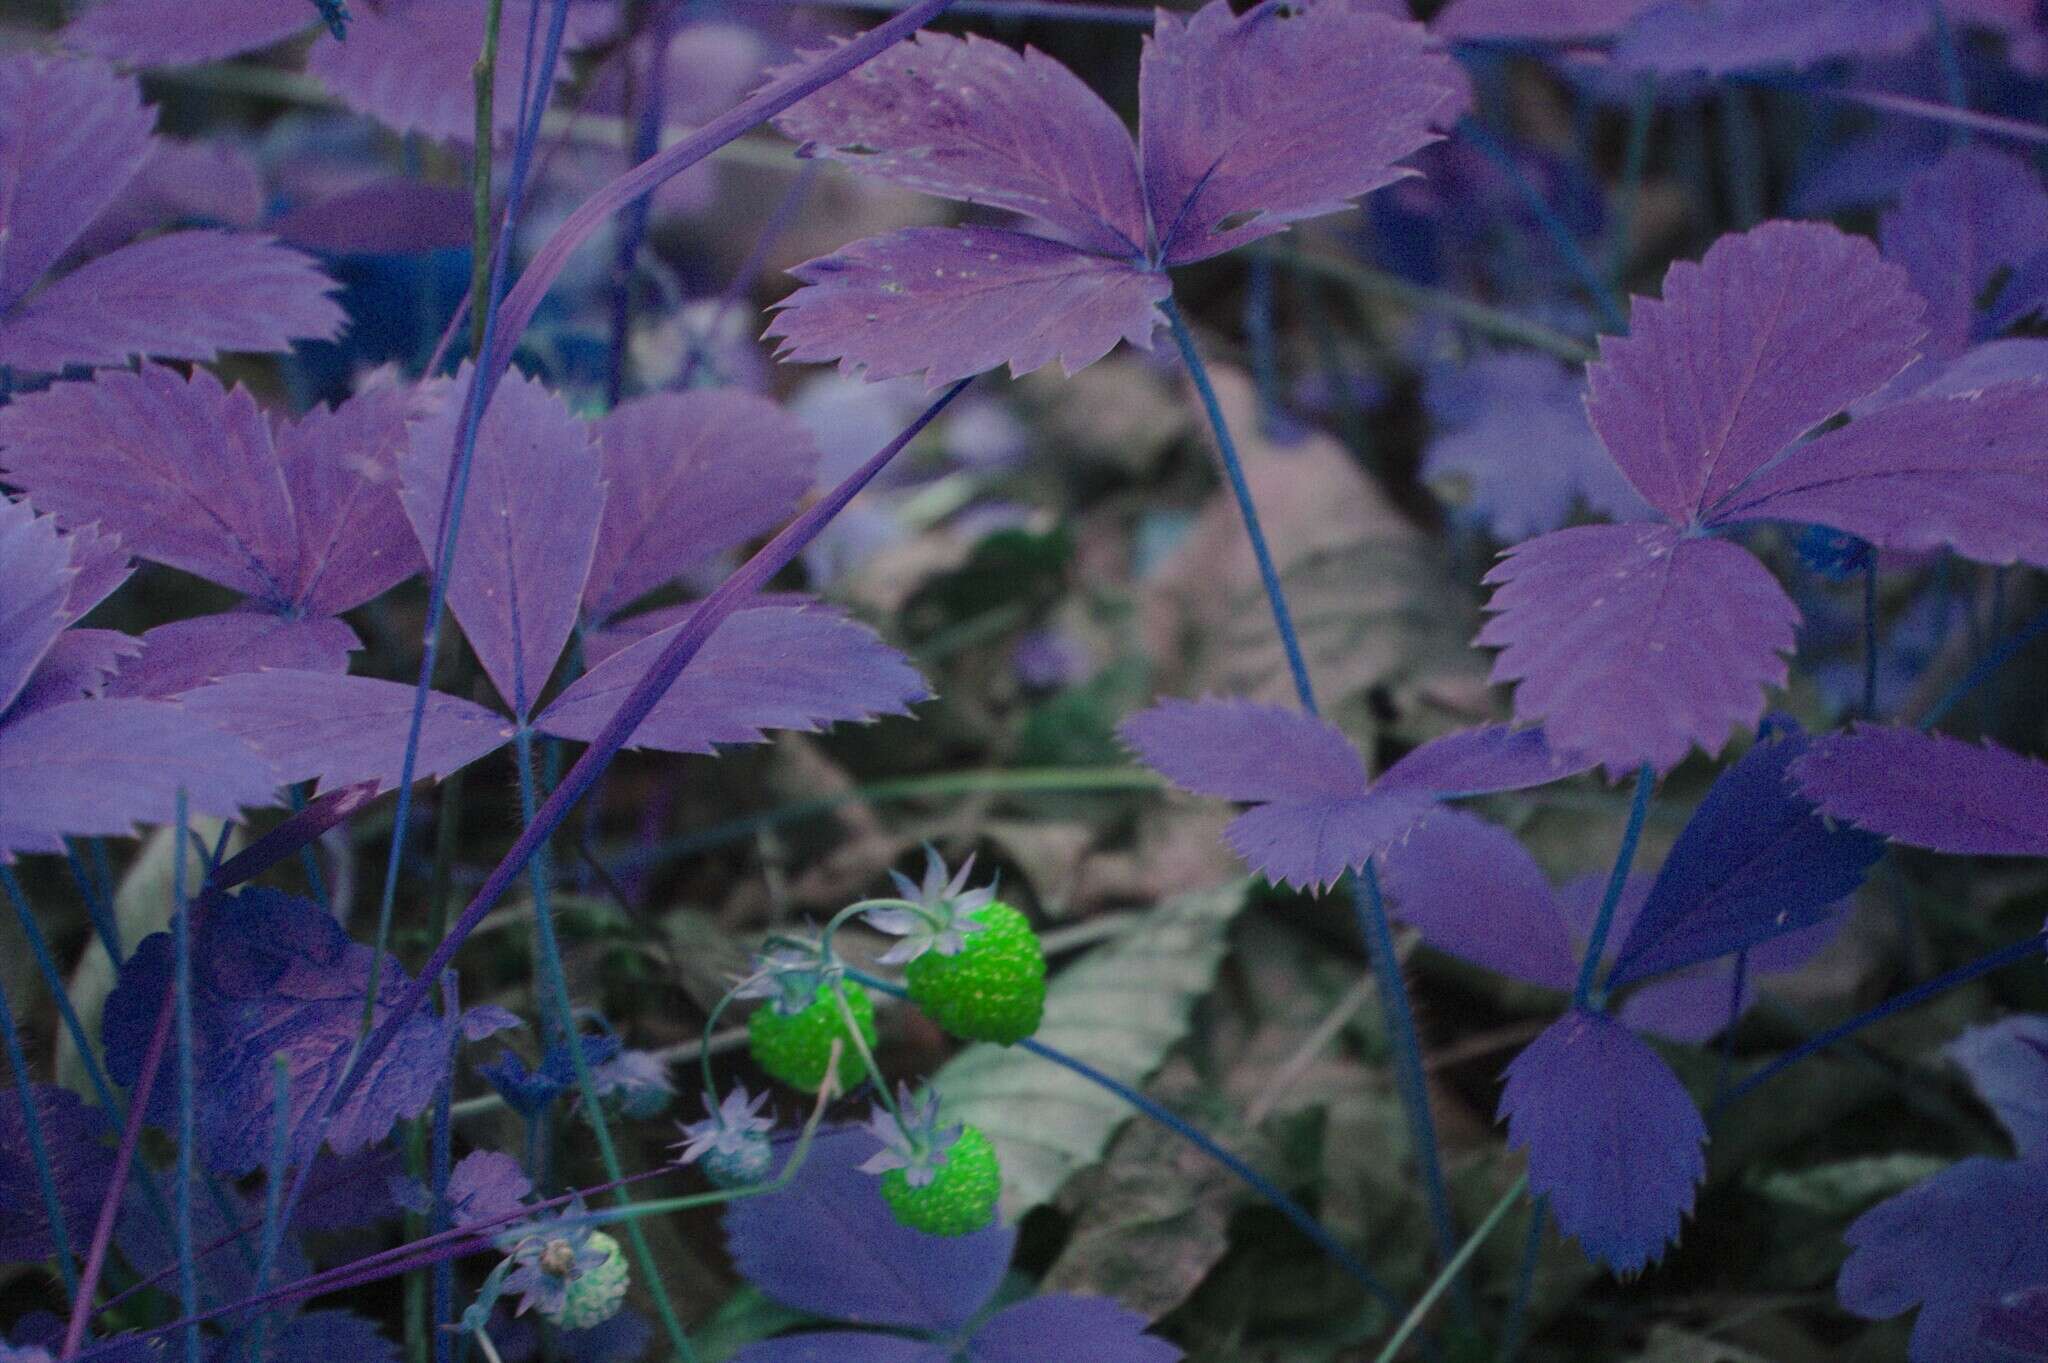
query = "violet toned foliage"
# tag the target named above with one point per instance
(1967, 222)
(406, 62)
(1930, 790)
(302, 516)
(1314, 812)
(73, 135)
(544, 550)
(1474, 891)
(275, 973)
(1553, 21)
(827, 1245)
(1614, 1140)
(74, 1136)
(1635, 643)
(2007, 1063)
(72, 762)
(1219, 161)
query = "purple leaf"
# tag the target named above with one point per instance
(1247, 124)
(341, 466)
(2008, 1066)
(1692, 1006)
(77, 667)
(102, 565)
(975, 120)
(1473, 890)
(182, 469)
(393, 216)
(1481, 761)
(273, 973)
(1929, 790)
(103, 766)
(484, 1186)
(408, 63)
(688, 476)
(72, 134)
(1241, 750)
(529, 526)
(1062, 1325)
(35, 583)
(187, 654)
(1719, 36)
(1953, 1247)
(342, 730)
(177, 33)
(1772, 333)
(181, 296)
(1967, 473)
(79, 1165)
(2018, 359)
(1313, 817)
(1755, 861)
(1632, 643)
(767, 668)
(1516, 434)
(212, 184)
(957, 301)
(1613, 1138)
(1553, 21)
(827, 1244)
(1959, 224)
(845, 1346)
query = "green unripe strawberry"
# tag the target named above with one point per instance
(594, 1296)
(960, 1197)
(796, 1046)
(993, 987)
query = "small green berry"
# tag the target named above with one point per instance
(960, 1197)
(743, 1166)
(796, 1046)
(993, 987)
(594, 1296)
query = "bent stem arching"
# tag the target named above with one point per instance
(1372, 914)
(1451, 1271)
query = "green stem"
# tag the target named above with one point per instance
(1452, 1269)
(485, 78)
(860, 1045)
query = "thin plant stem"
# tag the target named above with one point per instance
(97, 905)
(1504, 326)
(1512, 1328)
(1742, 157)
(188, 1125)
(2029, 947)
(1560, 236)
(1411, 1077)
(644, 141)
(1617, 881)
(1870, 637)
(442, 1161)
(1233, 470)
(867, 1056)
(556, 981)
(1451, 1271)
(38, 1144)
(484, 80)
(1258, 326)
(1954, 87)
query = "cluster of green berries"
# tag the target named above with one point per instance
(972, 964)
(594, 1295)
